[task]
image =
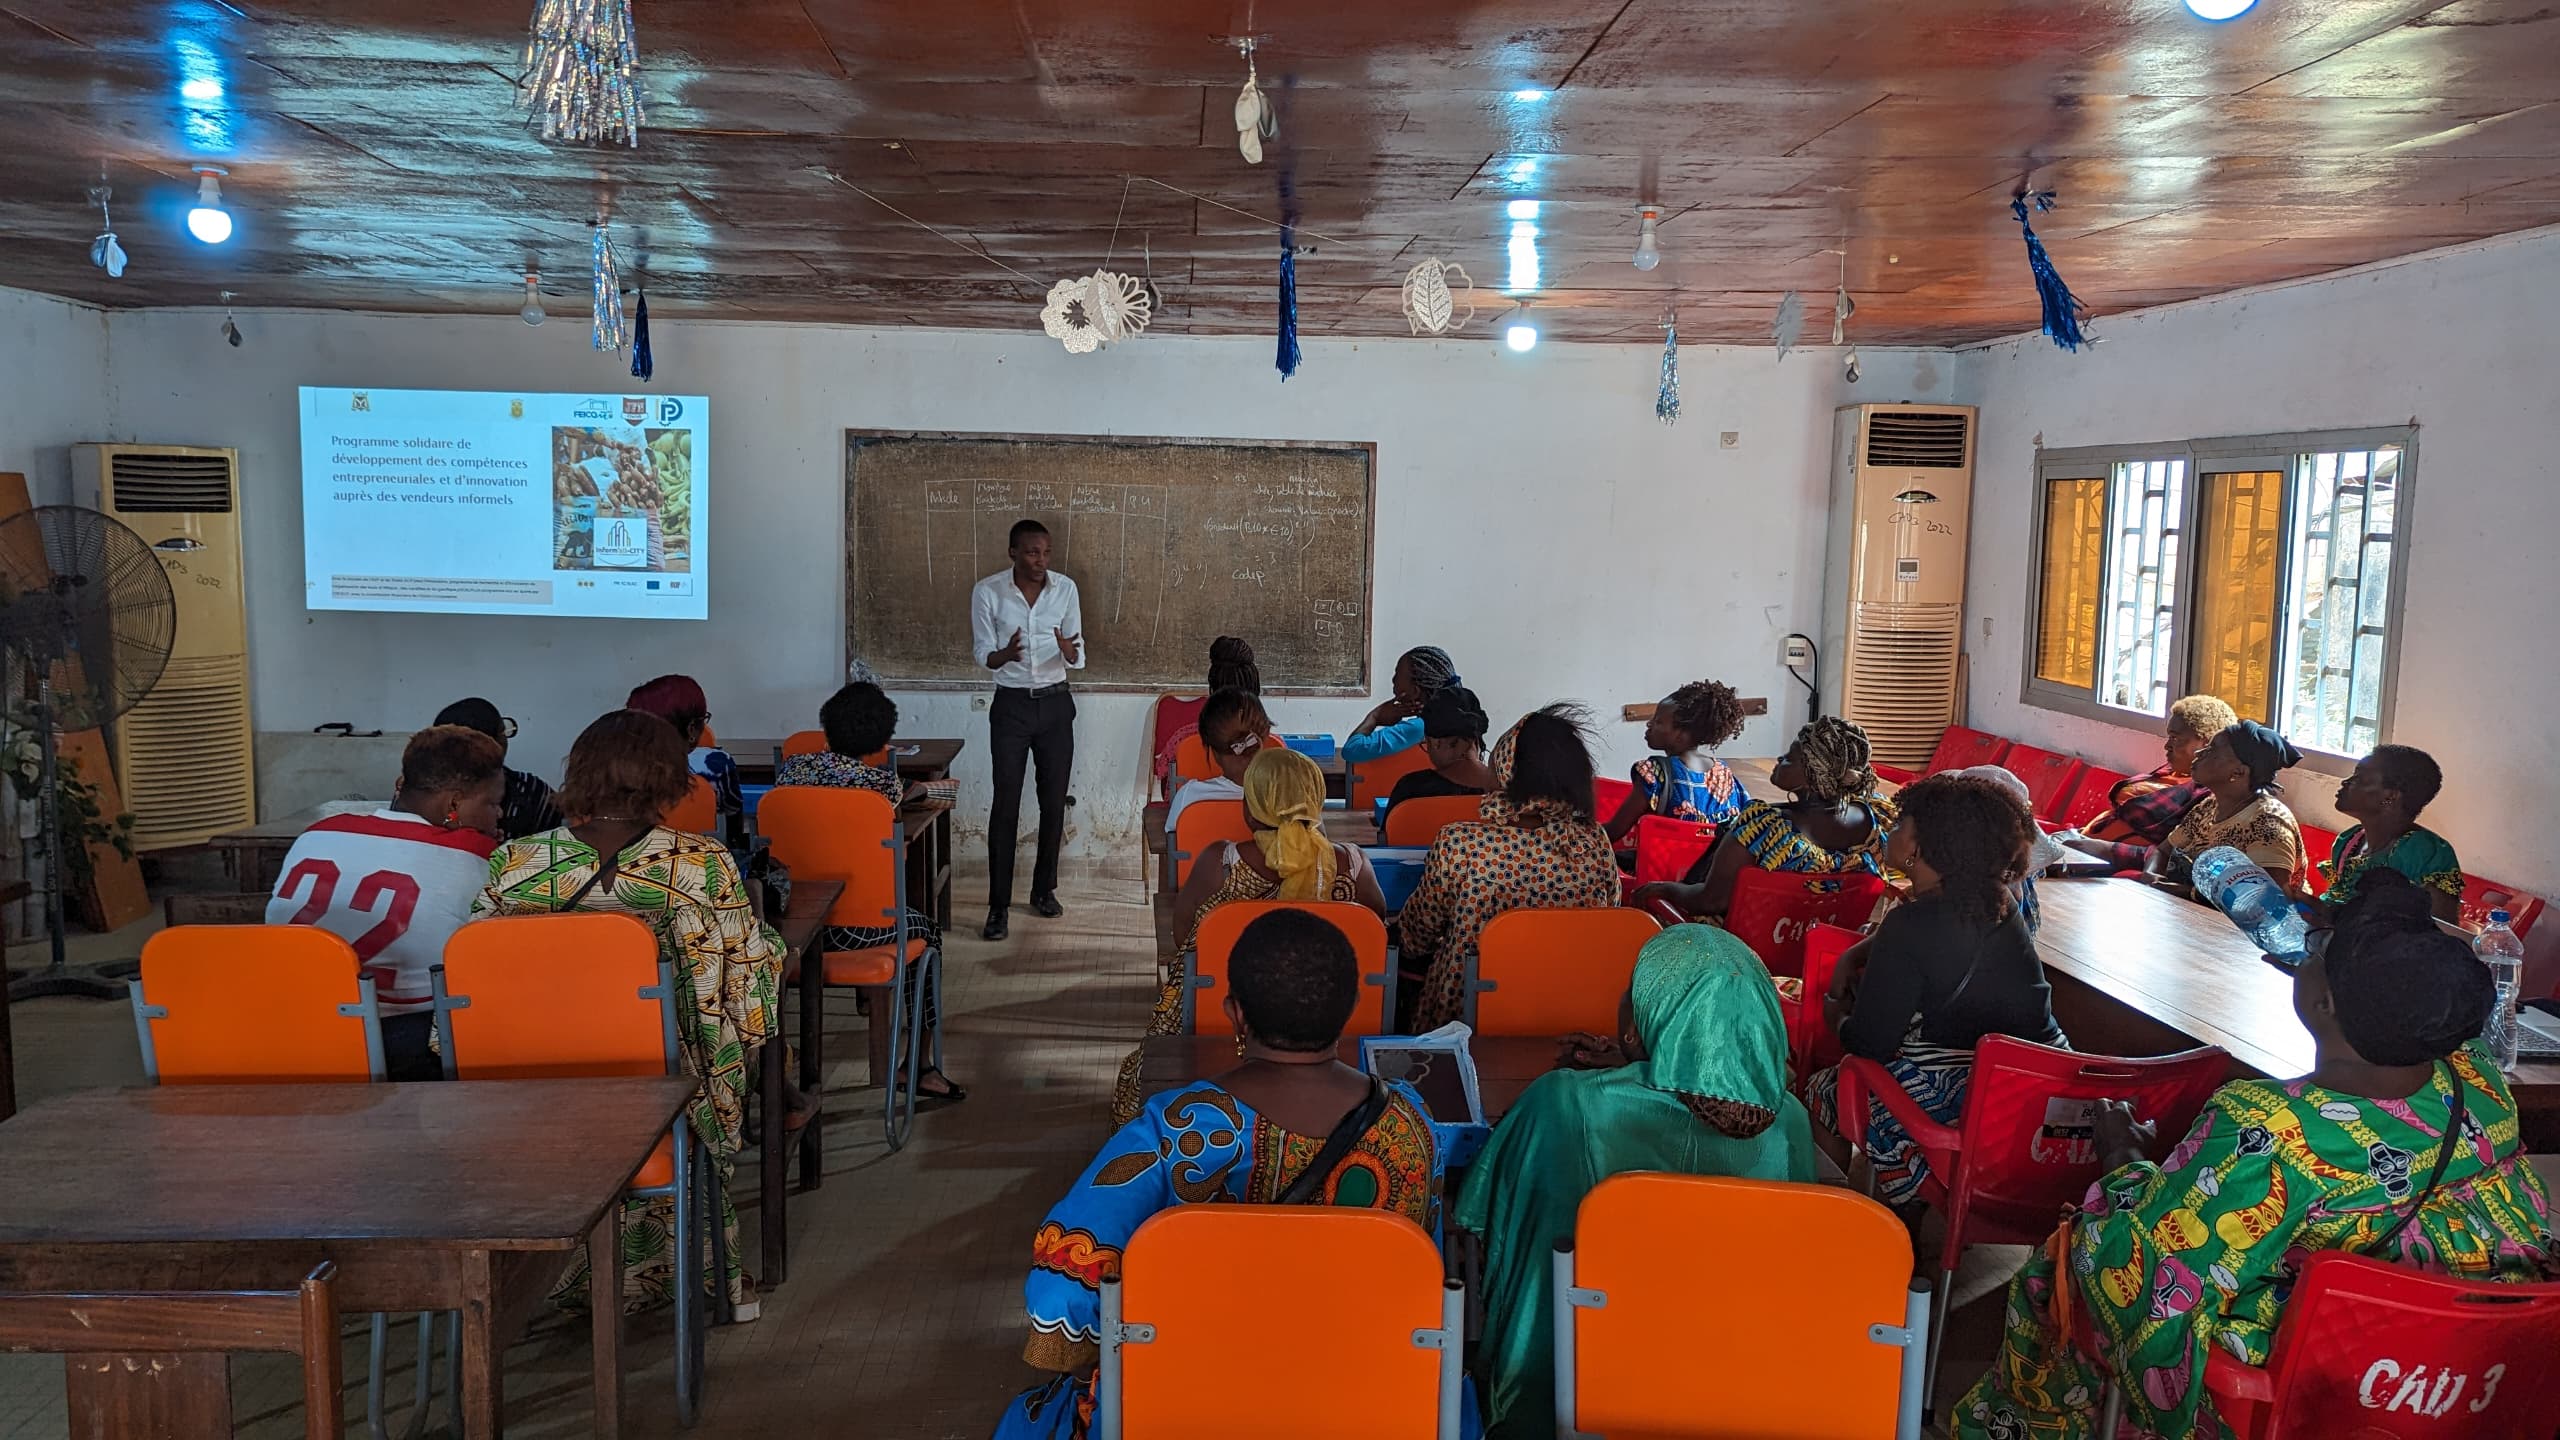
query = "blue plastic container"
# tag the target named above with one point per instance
(1314, 747)
(1399, 872)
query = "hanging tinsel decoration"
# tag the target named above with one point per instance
(1288, 358)
(1666, 400)
(582, 72)
(607, 334)
(644, 366)
(2062, 310)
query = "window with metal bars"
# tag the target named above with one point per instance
(2256, 568)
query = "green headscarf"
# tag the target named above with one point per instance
(1711, 1028)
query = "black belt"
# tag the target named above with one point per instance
(1037, 692)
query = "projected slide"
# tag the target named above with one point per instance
(497, 503)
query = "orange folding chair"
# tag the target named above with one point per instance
(1353, 1299)
(582, 994)
(803, 742)
(1553, 972)
(255, 1005)
(1806, 1289)
(1366, 782)
(1419, 822)
(855, 836)
(1191, 760)
(1206, 965)
(1205, 823)
(699, 812)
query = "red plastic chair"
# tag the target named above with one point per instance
(1773, 910)
(2049, 776)
(1206, 965)
(2317, 846)
(2374, 1349)
(1958, 749)
(2027, 1145)
(2090, 796)
(1608, 795)
(1171, 714)
(2480, 896)
(1668, 849)
(1810, 1044)
(1555, 971)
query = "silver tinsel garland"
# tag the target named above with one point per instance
(608, 327)
(1666, 401)
(582, 72)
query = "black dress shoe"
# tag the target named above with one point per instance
(1047, 907)
(995, 927)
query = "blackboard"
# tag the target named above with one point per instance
(1171, 543)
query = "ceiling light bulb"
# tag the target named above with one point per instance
(1528, 97)
(2220, 9)
(532, 314)
(1522, 209)
(1521, 333)
(208, 221)
(203, 87)
(1648, 248)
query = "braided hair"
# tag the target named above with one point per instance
(1430, 667)
(2406, 993)
(1707, 711)
(1232, 666)
(1975, 834)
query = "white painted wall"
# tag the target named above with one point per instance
(53, 387)
(2466, 342)
(1533, 517)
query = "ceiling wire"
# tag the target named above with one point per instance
(1126, 181)
(945, 236)
(1249, 215)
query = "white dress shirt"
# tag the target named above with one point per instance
(997, 609)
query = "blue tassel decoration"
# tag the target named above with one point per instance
(2062, 310)
(1288, 300)
(643, 366)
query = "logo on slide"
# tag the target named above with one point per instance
(635, 408)
(670, 411)
(515, 409)
(361, 400)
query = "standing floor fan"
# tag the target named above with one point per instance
(86, 623)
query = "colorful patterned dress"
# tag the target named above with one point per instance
(1243, 882)
(2264, 830)
(1710, 797)
(1196, 1145)
(2143, 810)
(688, 891)
(1480, 868)
(2421, 854)
(1769, 835)
(2202, 1248)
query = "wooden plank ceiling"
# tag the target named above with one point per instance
(375, 160)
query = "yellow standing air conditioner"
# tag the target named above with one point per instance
(185, 754)
(1893, 590)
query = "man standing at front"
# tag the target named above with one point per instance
(1028, 627)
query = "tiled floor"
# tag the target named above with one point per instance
(901, 1320)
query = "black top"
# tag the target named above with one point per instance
(530, 808)
(1423, 784)
(1963, 982)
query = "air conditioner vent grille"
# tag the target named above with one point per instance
(139, 481)
(1920, 439)
(1902, 681)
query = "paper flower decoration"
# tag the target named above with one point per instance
(1430, 306)
(1087, 312)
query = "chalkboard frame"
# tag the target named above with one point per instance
(1366, 450)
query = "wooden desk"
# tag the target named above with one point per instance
(801, 924)
(2138, 971)
(467, 1196)
(253, 855)
(1343, 827)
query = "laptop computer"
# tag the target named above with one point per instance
(2537, 1035)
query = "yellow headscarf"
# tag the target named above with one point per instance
(1284, 798)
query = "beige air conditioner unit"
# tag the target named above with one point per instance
(185, 753)
(1893, 588)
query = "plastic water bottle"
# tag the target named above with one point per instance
(2253, 899)
(2500, 950)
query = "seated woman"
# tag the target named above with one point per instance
(1396, 725)
(1836, 825)
(1694, 1083)
(859, 720)
(624, 773)
(2043, 851)
(1288, 858)
(2384, 796)
(1453, 731)
(2199, 1251)
(529, 808)
(1231, 667)
(1249, 1135)
(1683, 779)
(436, 834)
(1536, 847)
(1233, 729)
(2237, 771)
(1945, 968)
(678, 700)
(2145, 808)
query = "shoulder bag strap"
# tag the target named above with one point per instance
(605, 868)
(1666, 800)
(1346, 1133)
(2444, 1157)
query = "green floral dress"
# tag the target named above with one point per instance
(2421, 854)
(2202, 1248)
(688, 891)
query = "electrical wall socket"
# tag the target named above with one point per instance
(1797, 653)
(1729, 439)
(979, 702)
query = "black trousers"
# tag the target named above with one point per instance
(1027, 730)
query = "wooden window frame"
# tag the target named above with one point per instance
(2281, 452)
